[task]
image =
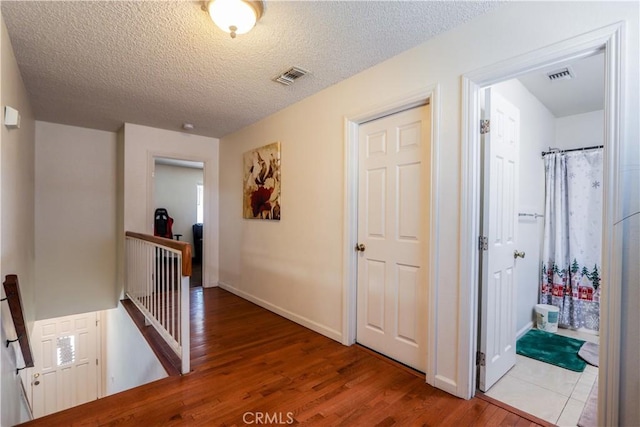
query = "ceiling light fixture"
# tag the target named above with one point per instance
(235, 16)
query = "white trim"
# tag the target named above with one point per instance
(526, 328)
(100, 356)
(301, 320)
(434, 235)
(210, 243)
(611, 298)
(428, 95)
(349, 238)
(610, 39)
(469, 232)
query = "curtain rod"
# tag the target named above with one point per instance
(555, 150)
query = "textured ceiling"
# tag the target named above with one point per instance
(98, 64)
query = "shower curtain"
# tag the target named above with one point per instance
(573, 237)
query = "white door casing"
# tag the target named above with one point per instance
(393, 226)
(66, 363)
(499, 227)
(609, 39)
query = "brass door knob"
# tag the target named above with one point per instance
(517, 254)
(360, 247)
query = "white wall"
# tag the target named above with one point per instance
(17, 241)
(129, 361)
(75, 220)
(537, 131)
(580, 130)
(141, 145)
(297, 264)
(175, 190)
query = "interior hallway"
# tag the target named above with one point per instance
(248, 361)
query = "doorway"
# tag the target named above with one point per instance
(565, 114)
(607, 40)
(392, 235)
(178, 187)
(67, 363)
(427, 95)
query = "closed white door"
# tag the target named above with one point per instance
(392, 234)
(66, 363)
(500, 200)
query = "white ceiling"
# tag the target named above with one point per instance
(582, 94)
(98, 64)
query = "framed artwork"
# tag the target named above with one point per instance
(262, 183)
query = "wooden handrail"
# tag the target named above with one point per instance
(183, 247)
(12, 291)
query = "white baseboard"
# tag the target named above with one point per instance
(210, 285)
(446, 384)
(524, 330)
(301, 320)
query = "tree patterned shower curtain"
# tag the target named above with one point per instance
(573, 237)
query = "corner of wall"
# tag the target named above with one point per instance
(16, 222)
(120, 229)
(17, 156)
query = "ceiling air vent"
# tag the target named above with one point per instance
(291, 75)
(561, 74)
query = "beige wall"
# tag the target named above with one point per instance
(141, 145)
(75, 220)
(17, 241)
(18, 177)
(296, 265)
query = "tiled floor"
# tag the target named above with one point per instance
(549, 392)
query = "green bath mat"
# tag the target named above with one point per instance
(552, 348)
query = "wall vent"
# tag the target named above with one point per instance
(565, 73)
(291, 75)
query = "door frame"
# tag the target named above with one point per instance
(26, 375)
(206, 167)
(608, 39)
(426, 95)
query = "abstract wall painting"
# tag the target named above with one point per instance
(262, 183)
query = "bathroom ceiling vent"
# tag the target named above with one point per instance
(290, 76)
(561, 74)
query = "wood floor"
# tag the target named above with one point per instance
(251, 366)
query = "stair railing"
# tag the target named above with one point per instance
(157, 282)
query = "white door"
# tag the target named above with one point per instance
(393, 223)
(66, 363)
(499, 225)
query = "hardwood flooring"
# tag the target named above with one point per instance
(251, 366)
(196, 274)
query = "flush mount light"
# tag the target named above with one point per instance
(235, 16)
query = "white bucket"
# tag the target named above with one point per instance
(547, 317)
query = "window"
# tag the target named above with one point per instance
(66, 350)
(199, 203)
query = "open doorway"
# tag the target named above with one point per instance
(178, 187)
(607, 39)
(559, 117)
